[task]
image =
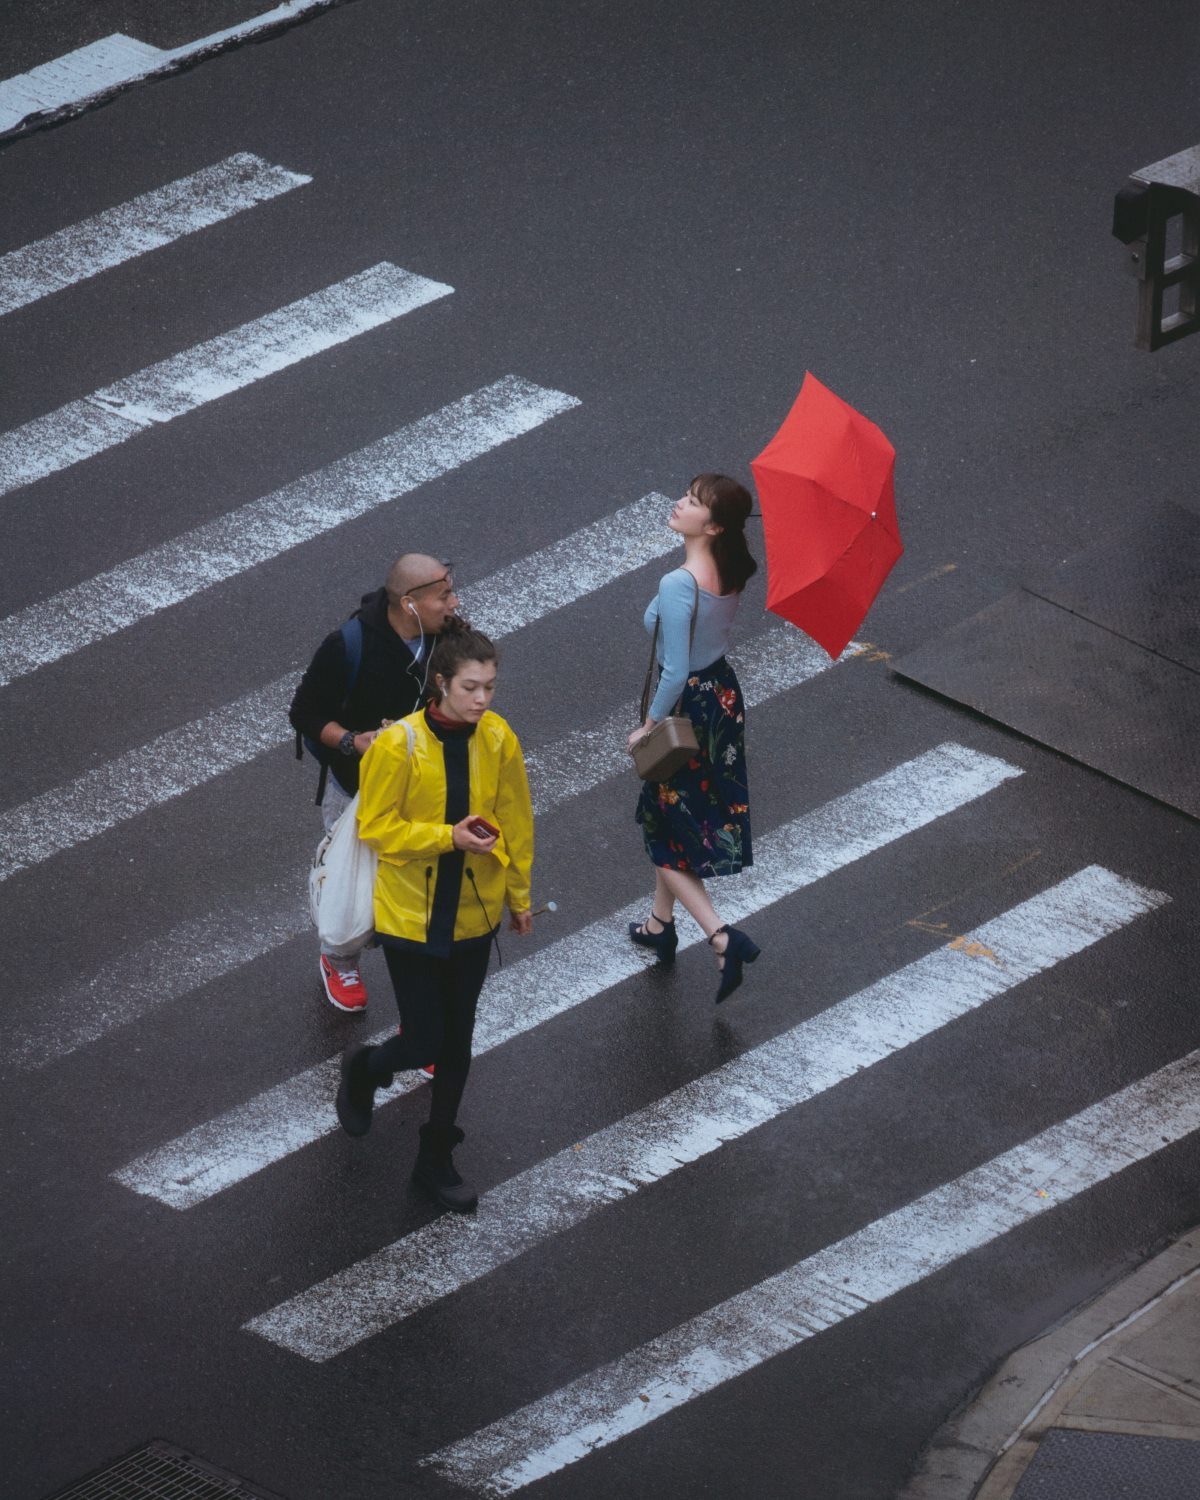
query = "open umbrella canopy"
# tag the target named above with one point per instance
(825, 483)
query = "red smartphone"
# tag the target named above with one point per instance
(482, 829)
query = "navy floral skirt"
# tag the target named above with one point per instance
(699, 820)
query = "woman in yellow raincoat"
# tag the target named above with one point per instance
(444, 800)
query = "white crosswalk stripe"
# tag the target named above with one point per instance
(228, 363)
(192, 754)
(555, 576)
(165, 767)
(128, 988)
(297, 1112)
(362, 481)
(697, 1119)
(776, 1315)
(74, 77)
(92, 72)
(206, 948)
(145, 223)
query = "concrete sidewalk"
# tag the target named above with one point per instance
(1107, 1404)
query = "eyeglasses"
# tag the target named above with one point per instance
(447, 578)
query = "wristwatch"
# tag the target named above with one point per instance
(346, 743)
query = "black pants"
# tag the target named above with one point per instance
(437, 998)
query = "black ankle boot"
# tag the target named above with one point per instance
(664, 943)
(435, 1170)
(356, 1097)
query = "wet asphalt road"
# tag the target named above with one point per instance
(669, 214)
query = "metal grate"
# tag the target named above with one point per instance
(1070, 1465)
(160, 1471)
(1099, 659)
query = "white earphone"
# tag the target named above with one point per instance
(424, 655)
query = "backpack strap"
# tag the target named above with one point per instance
(352, 642)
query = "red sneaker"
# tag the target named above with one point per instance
(343, 986)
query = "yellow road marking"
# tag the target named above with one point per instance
(927, 577)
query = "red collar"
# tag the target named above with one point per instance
(450, 726)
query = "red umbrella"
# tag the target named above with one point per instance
(829, 514)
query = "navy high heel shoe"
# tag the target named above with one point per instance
(739, 950)
(664, 943)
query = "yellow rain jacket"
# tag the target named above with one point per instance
(401, 814)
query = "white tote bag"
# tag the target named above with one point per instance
(341, 886)
(341, 883)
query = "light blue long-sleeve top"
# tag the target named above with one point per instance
(714, 627)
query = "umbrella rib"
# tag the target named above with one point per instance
(827, 492)
(853, 542)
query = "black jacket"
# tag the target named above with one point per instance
(388, 686)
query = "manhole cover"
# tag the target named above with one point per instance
(160, 1471)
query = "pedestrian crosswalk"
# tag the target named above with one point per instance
(897, 1251)
(221, 365)
(386, 471)
(221, 1152)
(938, 792)
(704, 1115)
(189, 755)
(145, 223)
(212, 946)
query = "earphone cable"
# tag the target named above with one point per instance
(424, 658)
(495, 930)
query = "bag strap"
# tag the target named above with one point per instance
(654, 649)
(352, 642)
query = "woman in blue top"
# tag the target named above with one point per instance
(697, 824)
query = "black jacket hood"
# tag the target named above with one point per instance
(373, 612)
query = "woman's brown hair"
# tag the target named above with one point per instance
(452, 650)
(729, 504)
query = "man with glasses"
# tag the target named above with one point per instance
(370, 670)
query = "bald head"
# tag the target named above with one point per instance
(420, 595)
(410, 572)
